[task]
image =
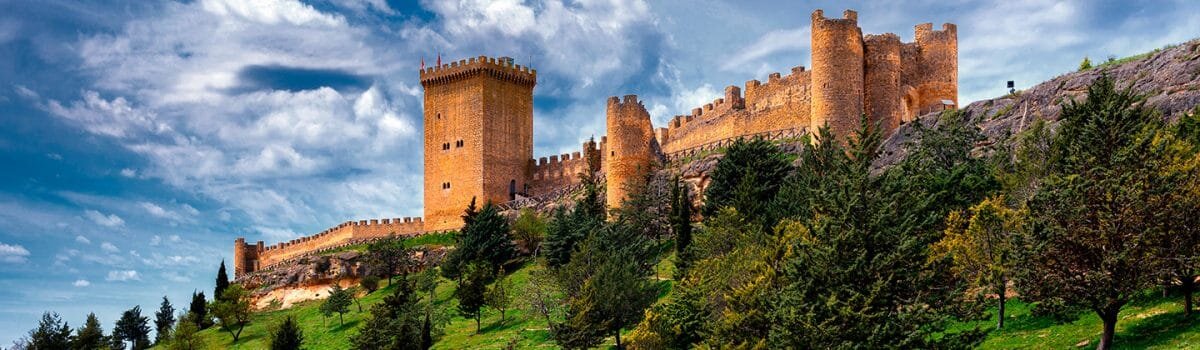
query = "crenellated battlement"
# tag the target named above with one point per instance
(501, 68)
(249, 258)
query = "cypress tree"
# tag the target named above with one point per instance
(163, 320)
(222, 282)
(91, 336)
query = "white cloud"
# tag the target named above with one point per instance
(13, 253)
(155, 241)
(773, 42)
(275, 233)
(81, 283)
(82, 239)
(175, 277)
(123, 275)
(117, 117)
(271, 11)
(127, 172)
(26, 92)
(109, 247)
(54, 156)
(111, 220)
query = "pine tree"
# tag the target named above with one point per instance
(338, 302)
(163, 320)
(395, 324)
(500, 295)
(681, 223)
(133, 328)
(748, 177)
(184, 336)
(198, 310)
(91, 336)
(51, 333)
(1096, 220)
(484, 239)
(232, 310)
(222, 281)
(389, 256)
(471, 292)
(287, 336)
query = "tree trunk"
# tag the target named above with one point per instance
(618, 334)
(1189, 286)
(1000, 308)
(1110, 325)
(477, 328)
(341, 321)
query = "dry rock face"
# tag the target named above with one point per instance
(322, 270)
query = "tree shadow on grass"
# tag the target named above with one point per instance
(510, 323)
(342, 327)
(1158, 329)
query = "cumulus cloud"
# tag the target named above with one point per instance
(127, 172)
(272, 12)
(82, 239)
(13, 253)
(81, 283)
(123, 276)
(111, 220)
(109, 247)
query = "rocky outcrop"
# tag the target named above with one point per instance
(1169, 79)
(322, 270)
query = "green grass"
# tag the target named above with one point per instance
(1153, 323)
(518, 329)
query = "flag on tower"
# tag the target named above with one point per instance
(422, 63)
(439, 63)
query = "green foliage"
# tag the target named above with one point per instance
(287, 336)
(681, 219)
(605, 284)
(484, 240)
(471, 292)
(1086, 64)
(567, 229)
(338, 302)
(369, 283)
(529, 230)
(747, 178)
(389, 256)
(981, 243)
(198, 310)
(396, 323)
(163, 320)
(185, 336)
(134, 328)
(1093, 233)
(232, 310)
(222, 281)
(91, 336)
(500, 295)
(51, 333)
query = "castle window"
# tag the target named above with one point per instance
(446, 146)
(439, 116)
(458, 143)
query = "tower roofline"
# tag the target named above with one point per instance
(502, 68)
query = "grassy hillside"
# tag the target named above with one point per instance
(321, 333)
(1151, 323)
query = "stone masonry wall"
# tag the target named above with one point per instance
(249, 258)
(632, 147)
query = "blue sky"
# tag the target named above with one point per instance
(139, 138)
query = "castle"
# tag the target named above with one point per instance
(478, 116)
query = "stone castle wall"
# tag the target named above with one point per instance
(253, 257)
(877, 75)
(478, 125)
(632, 147)
(478, 136)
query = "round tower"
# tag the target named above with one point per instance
(239, 257)
(882, 102)
(938, 66)
(837, 73)
(631, 146)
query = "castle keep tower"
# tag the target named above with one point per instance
(632, 146)
(837, 73)
(478, 135)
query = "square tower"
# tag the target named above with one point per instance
(478, 136)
